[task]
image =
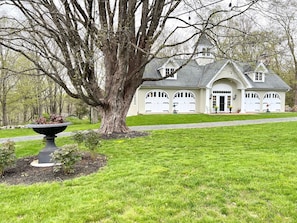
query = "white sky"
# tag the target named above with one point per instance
(6, 10)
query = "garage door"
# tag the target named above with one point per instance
(252, 102)
(157, 101)
(272, 102)
(184, 102)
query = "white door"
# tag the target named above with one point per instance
(184, 102)
(157, 101)
(272, 102)
(221, 99)
(252, 102)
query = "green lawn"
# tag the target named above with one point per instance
(156, 120)
(198, 118)
(226, 174)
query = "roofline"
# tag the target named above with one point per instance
(270, 89)
(247, 83)
(262, 64)
(169, 87)
(167, 61)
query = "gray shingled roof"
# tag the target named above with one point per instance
(188, 77)
(194, 76)
(209, 71)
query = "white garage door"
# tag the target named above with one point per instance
(184, 102)
(252, 102)
(157, 101)
(272, 102)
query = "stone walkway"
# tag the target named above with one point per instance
(172, 126)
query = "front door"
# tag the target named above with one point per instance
(222, 103)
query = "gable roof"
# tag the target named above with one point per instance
(193, 75)
(187, 77)
(220, 66)
(272, 82)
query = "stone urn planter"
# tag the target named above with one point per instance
(50, 131)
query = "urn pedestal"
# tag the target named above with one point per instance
(50, 131)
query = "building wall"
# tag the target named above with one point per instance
(139, 106)
(229, 77)
(204, 104)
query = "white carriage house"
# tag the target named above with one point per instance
(208, 86)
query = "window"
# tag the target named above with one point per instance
(272, 95)
(259, 77)
(228, 101)
(169, 73)
(252, 95)
(214, 101)
(221, 92)
(206, 52)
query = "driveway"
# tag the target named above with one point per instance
(172, 126)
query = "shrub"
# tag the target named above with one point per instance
(78, 137)
(65, 158)
(91, 139)
(7, 155)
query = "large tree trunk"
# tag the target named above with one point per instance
(113, 116)
(120, 86)
(113, 121)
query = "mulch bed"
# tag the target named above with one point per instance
(24, 173)
(131, 134)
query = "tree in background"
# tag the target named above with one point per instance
(8, 81)
(73, 37)
(282, 20)
(263, 35)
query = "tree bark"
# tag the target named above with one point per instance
(4, 113)
(114, 120)
(119, 98)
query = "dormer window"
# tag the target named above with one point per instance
(259, 77)
(206, 52)
(167, 70)
(169, 73)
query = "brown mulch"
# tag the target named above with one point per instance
(24, 173)
(131, 134)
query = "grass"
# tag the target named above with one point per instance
(199, 118)
(226, 174)
(155, 120)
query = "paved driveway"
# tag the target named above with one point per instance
(172, 126)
